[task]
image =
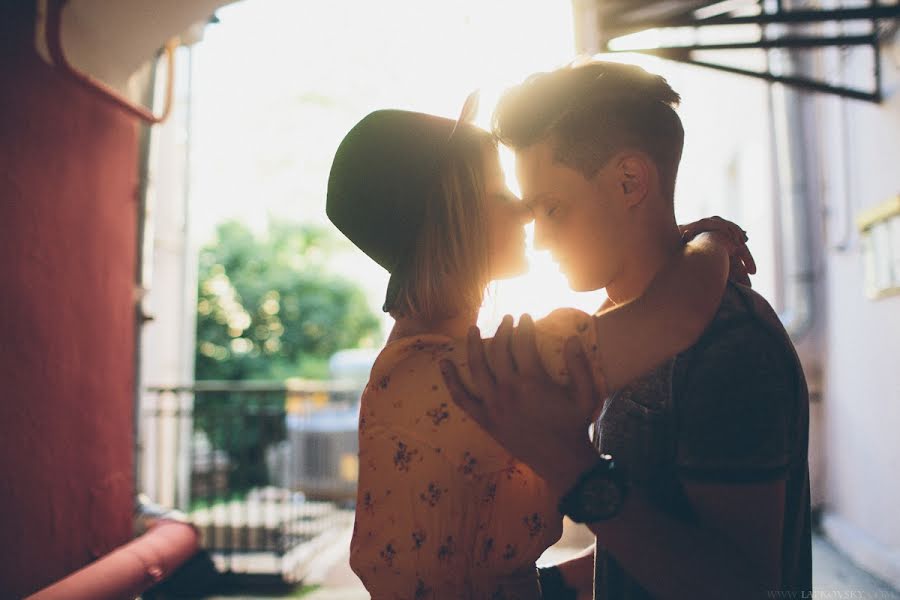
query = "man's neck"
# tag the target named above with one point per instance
(649, 255)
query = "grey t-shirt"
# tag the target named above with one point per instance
(732, 408)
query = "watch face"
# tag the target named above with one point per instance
(598, 495)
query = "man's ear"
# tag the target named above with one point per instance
(633, 172)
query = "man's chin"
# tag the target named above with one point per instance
(583, 284)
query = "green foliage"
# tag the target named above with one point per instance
(269, 309)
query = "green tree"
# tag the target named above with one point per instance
(268, 308)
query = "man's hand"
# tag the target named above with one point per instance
(542, 423)
(733, 238)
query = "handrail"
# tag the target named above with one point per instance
(258, 386)
(53, 38)
(131, 569)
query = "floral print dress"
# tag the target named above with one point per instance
(442, 510)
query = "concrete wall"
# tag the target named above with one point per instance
(859, 153)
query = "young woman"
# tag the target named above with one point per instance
(442, 510)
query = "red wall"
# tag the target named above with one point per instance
(68, 176)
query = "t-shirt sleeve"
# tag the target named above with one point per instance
(737, 406)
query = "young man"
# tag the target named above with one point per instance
(706, 493)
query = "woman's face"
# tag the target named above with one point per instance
(506, 219)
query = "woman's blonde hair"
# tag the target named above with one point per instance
(449, 269)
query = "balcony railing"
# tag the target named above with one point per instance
(266, 471)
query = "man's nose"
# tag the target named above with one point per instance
(526, 214)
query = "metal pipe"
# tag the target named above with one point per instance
(300, 386)
(804, 83)
(683, 53)
(793, 164)
(53, 33)
(131, 569)
(796, 17)
(783, 42)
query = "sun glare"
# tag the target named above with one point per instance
(278, 83)
(540, 290)
(649, 38)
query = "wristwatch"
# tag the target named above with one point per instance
(597, 495)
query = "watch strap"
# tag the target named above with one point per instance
(553, 586)
(570, 504)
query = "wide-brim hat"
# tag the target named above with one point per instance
(382, 174)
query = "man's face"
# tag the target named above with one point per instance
(583, 222)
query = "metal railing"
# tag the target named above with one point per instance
(265, 470)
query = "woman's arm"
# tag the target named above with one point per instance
(404, 489)
(668, 317)
(633, 338)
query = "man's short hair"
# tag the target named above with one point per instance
(592, 111)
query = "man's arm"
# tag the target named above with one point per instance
(709, 559)
(733, 549)
(734, 411)
(737, 428)
(578, 573)
(750, 515)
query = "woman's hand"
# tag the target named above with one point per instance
(732, 238)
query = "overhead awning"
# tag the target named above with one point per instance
(674, 29)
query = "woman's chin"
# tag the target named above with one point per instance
(510, 271)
